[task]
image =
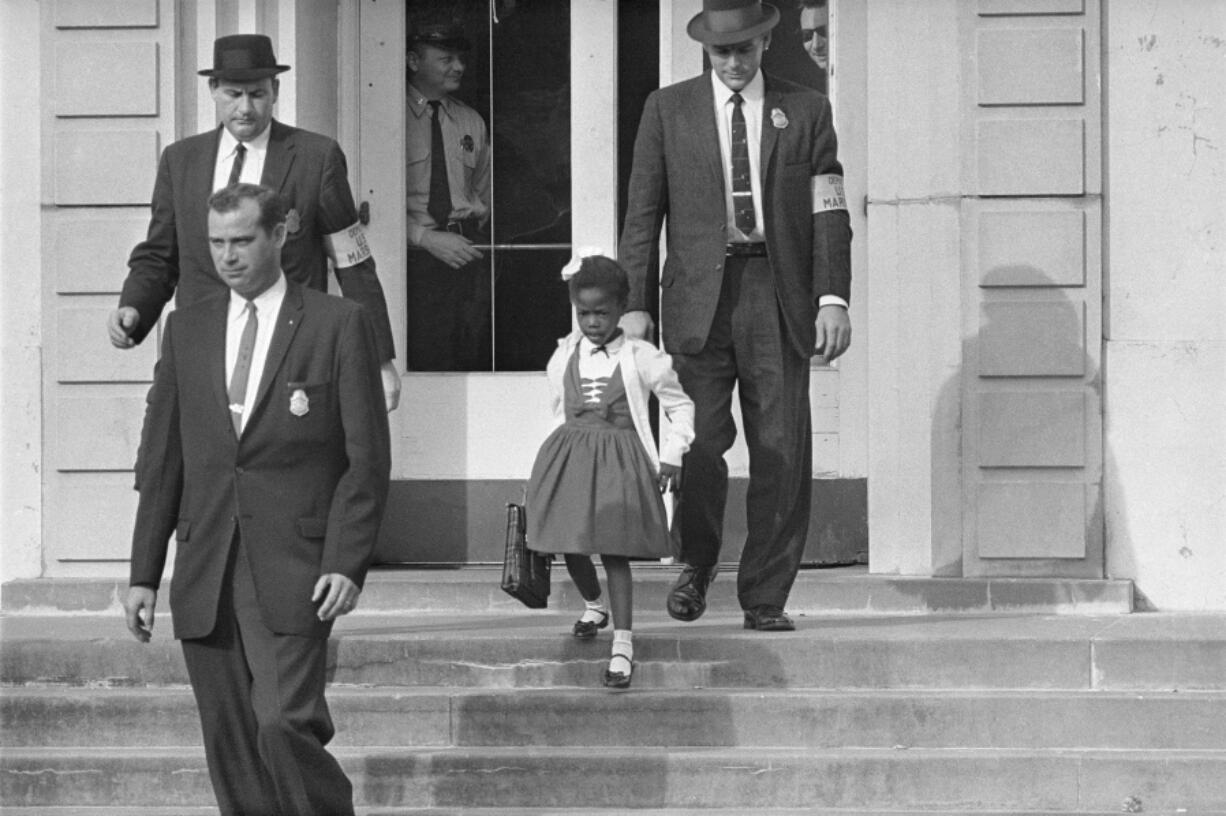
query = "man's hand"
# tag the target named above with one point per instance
(339, 594)
(119, 324)
(450, 248)
(833, 332)
(391, 384)
(638, 324)
(669, 478)
(138, 608)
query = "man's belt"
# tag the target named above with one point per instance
(746, 249)
(470, 228)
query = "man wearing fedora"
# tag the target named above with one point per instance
(744, 169)
(448, 184)
(249, 146)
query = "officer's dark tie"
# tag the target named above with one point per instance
(242, 369)
(236, 169)
(439, 205)
(742, 189)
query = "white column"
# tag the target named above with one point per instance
(21, 427)
(913, 335)
(593, 124)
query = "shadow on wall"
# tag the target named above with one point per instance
(1023, 416)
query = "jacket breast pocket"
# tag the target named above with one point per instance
(307, 406)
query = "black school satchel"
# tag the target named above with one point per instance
(525, 573)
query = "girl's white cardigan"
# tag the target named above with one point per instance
(645, 369)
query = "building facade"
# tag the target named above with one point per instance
(1037, 379)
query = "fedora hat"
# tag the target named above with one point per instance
(243, 58)
(724, 22)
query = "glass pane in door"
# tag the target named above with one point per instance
(505, 311)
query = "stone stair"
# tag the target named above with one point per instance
(870, 708)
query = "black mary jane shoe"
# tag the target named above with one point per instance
(768, 619)
(586, 630)
(618, 680)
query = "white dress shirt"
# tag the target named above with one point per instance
(754, 95)
(267, 309)
(253, 164)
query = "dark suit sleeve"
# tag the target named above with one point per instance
(159, 471)
(361, 494)
(831, 229)
(359, 282)
(153, 267)
(647, 204)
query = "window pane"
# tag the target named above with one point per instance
(520, 88)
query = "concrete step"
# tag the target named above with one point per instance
(751, 780)
(570, 811)
(412, 717)
(534, 650)
(844, 590)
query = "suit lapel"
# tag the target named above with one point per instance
(281, 151)
(700, 113)
(201, 187)
(288, 322)
(770, 134)
(214, 344)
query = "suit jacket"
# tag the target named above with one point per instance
(307, 169)
(678, 173)
(306, 491)
(645, 371)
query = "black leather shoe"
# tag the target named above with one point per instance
(586, 630)
(768, 619)
(688, 598)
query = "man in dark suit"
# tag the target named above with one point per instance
(306, 168)
(274, 487)
(756, 281)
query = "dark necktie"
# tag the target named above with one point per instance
(236, 169)
(742, 189)
(603, 348)
(242, 369)
(439, 205)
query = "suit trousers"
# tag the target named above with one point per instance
(449, 315)
(262, 710)
(748, 347)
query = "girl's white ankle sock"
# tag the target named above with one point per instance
(594, 612)
(623, 652)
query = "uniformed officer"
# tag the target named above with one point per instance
(448, 207)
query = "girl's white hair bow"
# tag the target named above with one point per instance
(571, 268)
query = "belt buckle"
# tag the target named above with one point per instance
(455, 226)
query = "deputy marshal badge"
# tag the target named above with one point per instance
(467, 143)
(293, 221)
(778, 118)
(298, 403)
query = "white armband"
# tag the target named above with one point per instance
(347, 247)
(828, 193)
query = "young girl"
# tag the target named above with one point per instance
(596, 483)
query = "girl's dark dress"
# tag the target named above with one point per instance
(593, 487)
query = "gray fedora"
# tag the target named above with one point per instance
(725, 22)
(243, 58)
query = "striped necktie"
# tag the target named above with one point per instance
(742, 189)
